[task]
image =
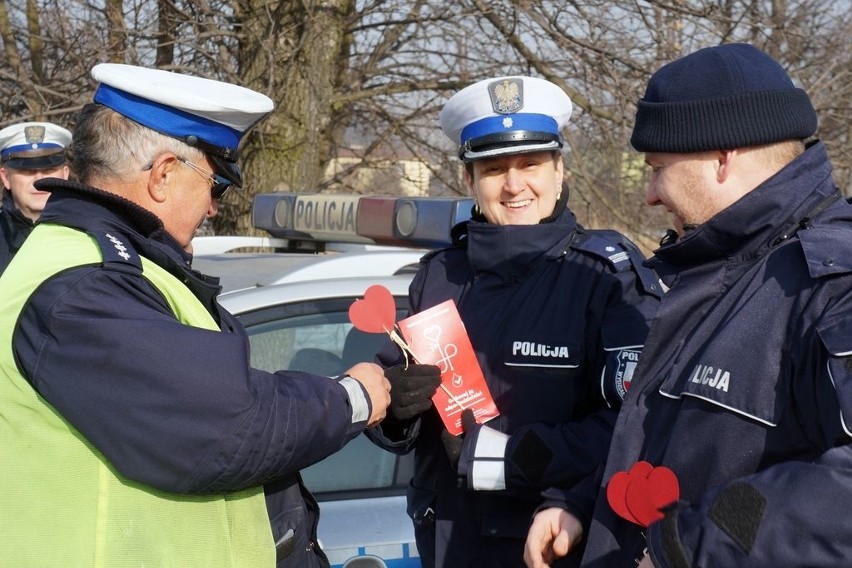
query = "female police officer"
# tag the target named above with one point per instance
(523, 273)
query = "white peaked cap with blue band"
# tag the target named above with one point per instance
(33, 145)
(506, 115)
(210, 115)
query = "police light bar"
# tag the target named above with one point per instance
(400, 221)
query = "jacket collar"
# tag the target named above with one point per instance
(93, 210)
(507, 251)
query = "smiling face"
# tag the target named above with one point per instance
(684, 184)
(516, 189)
(30, 201)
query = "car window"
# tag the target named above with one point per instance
(317, 337)
(312, 343)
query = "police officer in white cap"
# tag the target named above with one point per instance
(28, 151)
(557, 316)
(134, 430)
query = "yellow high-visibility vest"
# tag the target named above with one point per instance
(62, 504)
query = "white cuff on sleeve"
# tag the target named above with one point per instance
(488, 468)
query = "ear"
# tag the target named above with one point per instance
(560, 170)
(5, 178)
(160, 176)
(725, 162)
(468, 180)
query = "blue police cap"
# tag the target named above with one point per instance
(33, 145)
(210, 115)
(506, 115)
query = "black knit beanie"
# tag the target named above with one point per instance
(720, 98)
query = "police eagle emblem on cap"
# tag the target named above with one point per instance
(507, 95)
(34, 134)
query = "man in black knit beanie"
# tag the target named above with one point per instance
(734, 444)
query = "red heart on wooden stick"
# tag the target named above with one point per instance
(376, 313)
(638, 495)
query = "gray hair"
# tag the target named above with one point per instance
(108, 145)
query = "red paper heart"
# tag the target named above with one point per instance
(616, 491)
(638, 495)
(640, 469)
(646, 496)
(376, 313)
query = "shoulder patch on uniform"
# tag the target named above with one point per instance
(596, 244)
(620, 253)
(117, 250)
(828, 250)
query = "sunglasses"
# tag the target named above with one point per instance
(218, 184)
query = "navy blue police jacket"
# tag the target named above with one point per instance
(744, 389)
(101, 345)
(14, 229)
(557, 317)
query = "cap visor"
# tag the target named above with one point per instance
(486, 152)
(36, 163)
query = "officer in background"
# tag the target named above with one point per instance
(28, 151)
(523, 271)
(744, 390)
(134, 431)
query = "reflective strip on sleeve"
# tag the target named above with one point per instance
(488, 468)
(357, 398)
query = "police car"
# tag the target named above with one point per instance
(294, 304)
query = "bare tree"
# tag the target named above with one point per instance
(603, 52)
(358, 83)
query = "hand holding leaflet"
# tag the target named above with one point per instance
(376, 313)
(434, 336)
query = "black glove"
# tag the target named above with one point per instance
(453, 444)
(412, 389)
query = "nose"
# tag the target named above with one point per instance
(514, 181)
(651, 197)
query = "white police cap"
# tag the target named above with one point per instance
(506, 115)
(33, 145)
(210, 115)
